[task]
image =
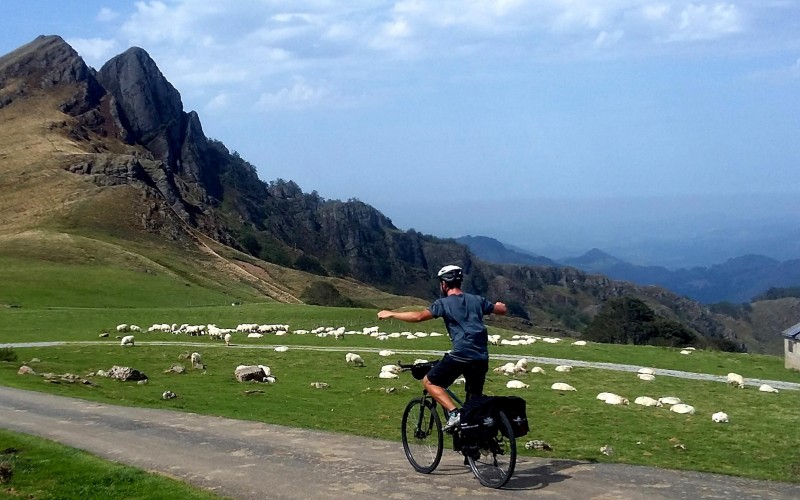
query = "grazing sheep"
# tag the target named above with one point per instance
(682, 408)
(228, 337)
(391, 368)
(516, 384)
(197, 361)
(646, 376)
(615, 399)
(353, 359)
(736, 380)
(126, 340)
(507, 369)
(563, 368)
(647, 401)
(494, 339)
(521, 365)
(254, 335)
(669, 400)
(561, 386)
(537, 369)
(122, 328)
(767, 388)
(720, 417)
(647, 371)
(605, 395)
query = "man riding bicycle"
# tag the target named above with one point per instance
(463, 317)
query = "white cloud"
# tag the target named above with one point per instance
(95, 51)
(219, 102)
(707, 22)
(300, 95)
(106, 15)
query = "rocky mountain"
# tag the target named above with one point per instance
(111, 154)
(491, 250)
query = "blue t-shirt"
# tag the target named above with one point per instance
(463, 317)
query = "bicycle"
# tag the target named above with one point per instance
(492, 459)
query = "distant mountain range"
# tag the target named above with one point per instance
(737, 280)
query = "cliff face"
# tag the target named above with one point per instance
(130, 123)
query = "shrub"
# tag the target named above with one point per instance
(7, 354)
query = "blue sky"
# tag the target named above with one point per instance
(556, 125)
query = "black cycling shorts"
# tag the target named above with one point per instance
(446, 371)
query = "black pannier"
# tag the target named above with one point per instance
(480, 421)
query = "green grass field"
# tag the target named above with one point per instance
(60, 302)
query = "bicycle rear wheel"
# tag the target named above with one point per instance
(498, 456)
(423, 441)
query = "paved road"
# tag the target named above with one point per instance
(243, 459)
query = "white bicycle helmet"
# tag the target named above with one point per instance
(449, 274)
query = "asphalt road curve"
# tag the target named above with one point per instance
(243, 459)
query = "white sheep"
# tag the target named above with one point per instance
(197, 360)
(605, 395)
(537, 369)
(686, 351)
(767, 388)
(122, 328)
(281, 348)
(669, 400)
(507, 369)
(615, 399)
(682, 409)
(460, 380)
(254, 335)
(388, 375)
(494, 339)
(228, 338)
(720, 417)
(647, 401)
(126, 340)
(736, 380)
(385, 352)
(561, 386)
(579, 343)
(563, 368)
(353, 359)
(647, 371)
(420, 361)
(521, 365)
(646, 376)
(516, 384)
(266, 369)
(391, 368)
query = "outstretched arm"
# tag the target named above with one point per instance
(407, 316)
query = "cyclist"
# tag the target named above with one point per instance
(463, 317)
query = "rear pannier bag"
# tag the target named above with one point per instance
(480, 420)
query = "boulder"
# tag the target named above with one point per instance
(246, 373)
(126, 373)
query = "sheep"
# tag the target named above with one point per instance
(254, 335)
(385, 353)
(647, 371)
(646, 376)
(122, 328)
(561, 386)
(228, 337)
(460, 380)
(516, 384)
(720, 417)
(579, 343)
(197, 360)
(682, 409)
(281, 348)
(127, 340)
(605, 395)
(647, 401)
(391, 368)
(686, 351)
(537, 369)
(494, 339)
(266, 369)
(669, 400)
(615, 399)
(767, 388)
(735, 379)
(507, 369)
(563, 368)
(521, 365)
(135, 328)
(420, 361)
(388, 375)
(354, 359)
(551, 340)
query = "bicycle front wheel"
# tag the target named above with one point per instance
(423, 440)
(494, 464)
